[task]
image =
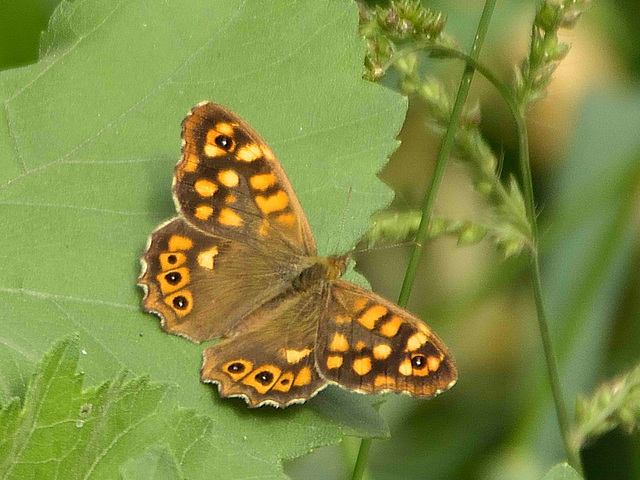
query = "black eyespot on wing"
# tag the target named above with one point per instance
(173, 278)
(265, 378)
(418, 361)
(224, 142)
(180, 302)
(236, 368)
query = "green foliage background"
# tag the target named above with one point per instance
(97, 126)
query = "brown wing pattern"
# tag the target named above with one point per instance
(202, 285)
(229, 183)
(270, 357)
(368, 344)
(240, 262)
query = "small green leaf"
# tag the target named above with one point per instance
(63, 431)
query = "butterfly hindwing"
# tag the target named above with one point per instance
(229, 183)
(368, 344)
(270, 357)
(203, 285)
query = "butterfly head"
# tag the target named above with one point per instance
(336, 266)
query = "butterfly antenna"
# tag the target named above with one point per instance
(386, 247)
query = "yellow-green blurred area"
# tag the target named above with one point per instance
(498, 422)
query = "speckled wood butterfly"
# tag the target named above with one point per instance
(240, 262)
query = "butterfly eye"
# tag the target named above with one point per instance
(265, 378)
(418, 361)
(180, 302)
(224, 142)
(173, 278)
(236, 368)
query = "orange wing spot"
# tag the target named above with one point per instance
(171, 260)
(228, 178)
(334, 361)
(362, 366)
(249, 153)
(266, 151)
(288, 219)
(237, 369)
(264, 228)
(225, 129)
(416, 341)
(229, 199)
(229, 217)
(178, 242)
(294, 356)
(360, 346)
(205, 259)
(205, 188)
(342, 319)
(405, 367)
(390, 328)
(262, 378)
(203, 212)
(372, 315)
(211, 149)
(339, 343)
(384, 381)
(190, 163)
(381, 352)
(433, 363)
(284, 382)
(360, 303)
(262, 182)
(276, 202)
(180, 302)
(303, 378)
(173, 280)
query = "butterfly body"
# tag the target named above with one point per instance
(240, 262)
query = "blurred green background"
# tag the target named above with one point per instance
(498, 423)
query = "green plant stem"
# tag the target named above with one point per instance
(573, 455)
(427, 210)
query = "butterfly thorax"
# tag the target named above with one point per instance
(324, 269)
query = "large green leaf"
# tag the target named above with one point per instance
(88, 140)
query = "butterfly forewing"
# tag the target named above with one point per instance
(368, 344)
(229, 183)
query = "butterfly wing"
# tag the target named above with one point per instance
(242, 236)
(202, 285)
(270, 357)
(368, 344)
(229, 183)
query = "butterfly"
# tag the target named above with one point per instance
(239, 262)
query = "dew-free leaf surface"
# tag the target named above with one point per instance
(89, 136)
